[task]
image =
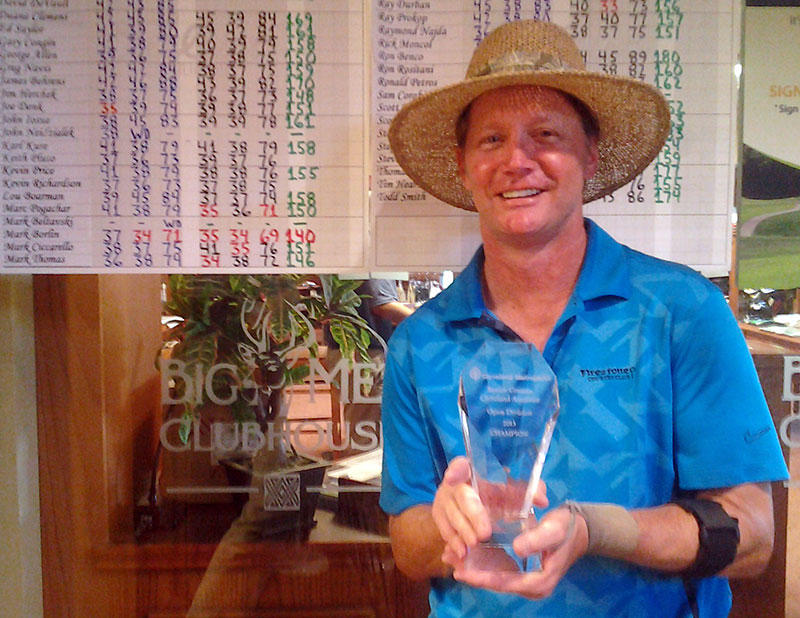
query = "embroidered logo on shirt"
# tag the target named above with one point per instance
(751, 437)
(608, 373)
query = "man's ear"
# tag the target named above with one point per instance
(590, 168)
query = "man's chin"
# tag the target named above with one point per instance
(531, 229)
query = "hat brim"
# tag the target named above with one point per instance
(633, 117)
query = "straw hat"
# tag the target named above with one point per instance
(633, 116)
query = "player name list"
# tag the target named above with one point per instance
(673, 209)
(182, 136)
(139, 134)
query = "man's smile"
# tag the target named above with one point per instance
(510, 195)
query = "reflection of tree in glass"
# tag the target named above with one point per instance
(257, 327)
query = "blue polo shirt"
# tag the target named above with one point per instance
(658, 394)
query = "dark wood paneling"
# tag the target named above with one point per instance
(765, 595)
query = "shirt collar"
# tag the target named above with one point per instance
(604, 273)
(466, 299)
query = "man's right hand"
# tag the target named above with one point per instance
(458, 513)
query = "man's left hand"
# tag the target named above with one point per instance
(560, 545)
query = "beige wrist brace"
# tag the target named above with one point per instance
(613, 532)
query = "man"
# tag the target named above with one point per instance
(382, 310)
(381, 307)
(666, 467)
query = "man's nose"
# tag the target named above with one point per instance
(520, 154)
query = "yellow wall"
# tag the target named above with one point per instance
(20, 551)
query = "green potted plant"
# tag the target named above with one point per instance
(236, 343)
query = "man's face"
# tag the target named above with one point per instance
(525, 160)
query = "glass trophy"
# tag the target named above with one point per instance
(508, 404)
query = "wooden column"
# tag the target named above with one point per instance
(95, 341)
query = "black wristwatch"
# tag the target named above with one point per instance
(719, 537)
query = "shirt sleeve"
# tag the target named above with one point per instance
(409, 473)
(380, 292)
(724, 434)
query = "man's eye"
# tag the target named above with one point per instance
(491, 139)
